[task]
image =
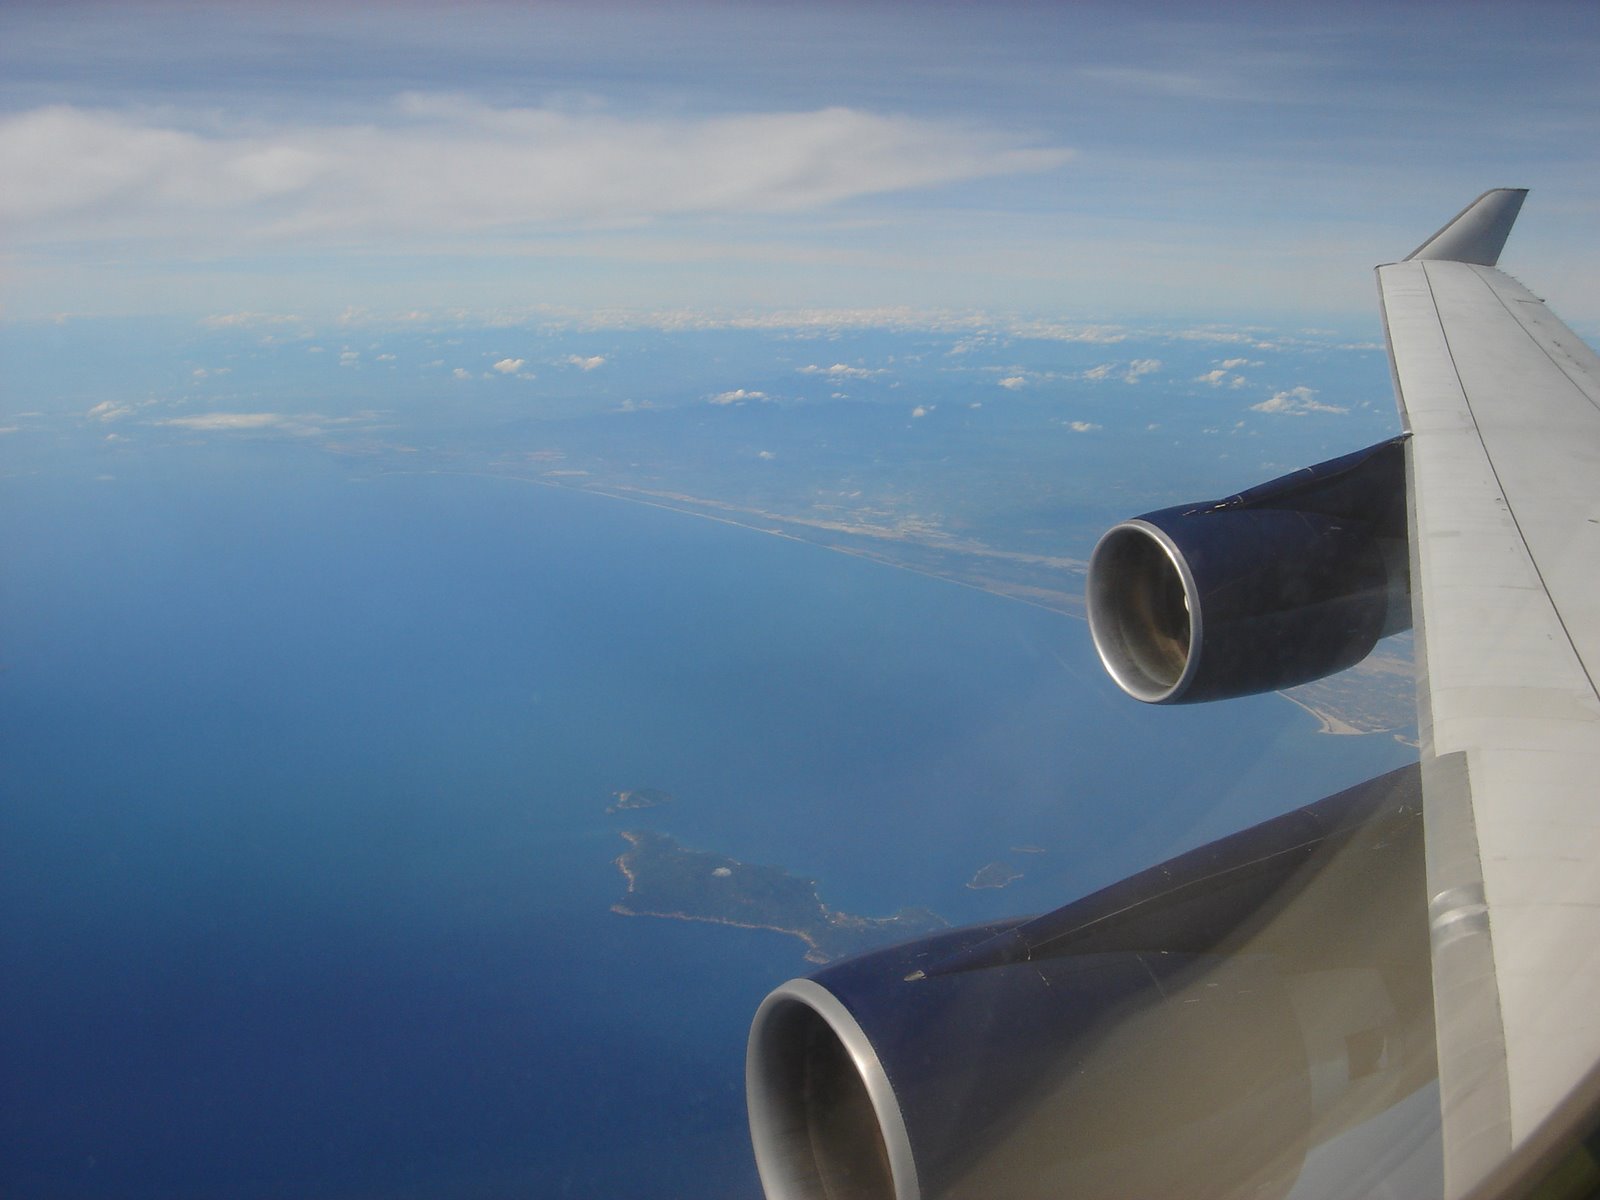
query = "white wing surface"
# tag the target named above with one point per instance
(1503, 404)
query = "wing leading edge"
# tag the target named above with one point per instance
(1503, 404)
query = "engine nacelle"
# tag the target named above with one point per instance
(1274, 587)
(1195, 1030)
(1075, 1077)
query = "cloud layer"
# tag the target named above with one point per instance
(1297, 401)
(445, 164)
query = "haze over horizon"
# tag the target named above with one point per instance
(1084, 162)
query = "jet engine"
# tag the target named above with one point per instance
(1195, 1030)
(1273, 587)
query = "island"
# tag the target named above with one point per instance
(666, 879)
(994, 875)
(636, 798)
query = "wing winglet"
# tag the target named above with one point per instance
(1478, 232)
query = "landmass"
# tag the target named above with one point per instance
(994, 875)
(666, 879)
(634, 799)
(971, 512)
(906, 541)
(1377, 695)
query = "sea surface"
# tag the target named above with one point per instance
(304, 859)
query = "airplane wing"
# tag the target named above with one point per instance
(1267, 1015)
(1503, 405)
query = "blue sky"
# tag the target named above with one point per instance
(1078, 161)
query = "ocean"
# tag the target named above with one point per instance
(304, 855)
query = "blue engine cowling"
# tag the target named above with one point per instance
(1195, 1030)
(1276, 586)
(1069, 1077)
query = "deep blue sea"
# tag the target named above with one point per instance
(304, 860)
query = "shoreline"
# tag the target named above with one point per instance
(621, 493)
(1330, 724)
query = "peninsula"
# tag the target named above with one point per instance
(665, 879)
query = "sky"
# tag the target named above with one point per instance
(1075, 161)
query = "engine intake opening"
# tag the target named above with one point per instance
(814, 1119)
(1141, 616)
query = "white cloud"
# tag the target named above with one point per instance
(1297, 401)
(246, 320)
(807, 320)
(226, 421)
(1082, 426)
(766, 454)
(349, 358)
(1187, 85)
(1013, 382)
(385, 358)
(737, 396)
(293, 424)
(109, 410)
(586, 364)
(1100, 335)
(509, 366)
(1132, 373)
(839, 371)
(922, 410)
(466, 167)
(461, 373)
(1223, 373)
(1224, 336)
